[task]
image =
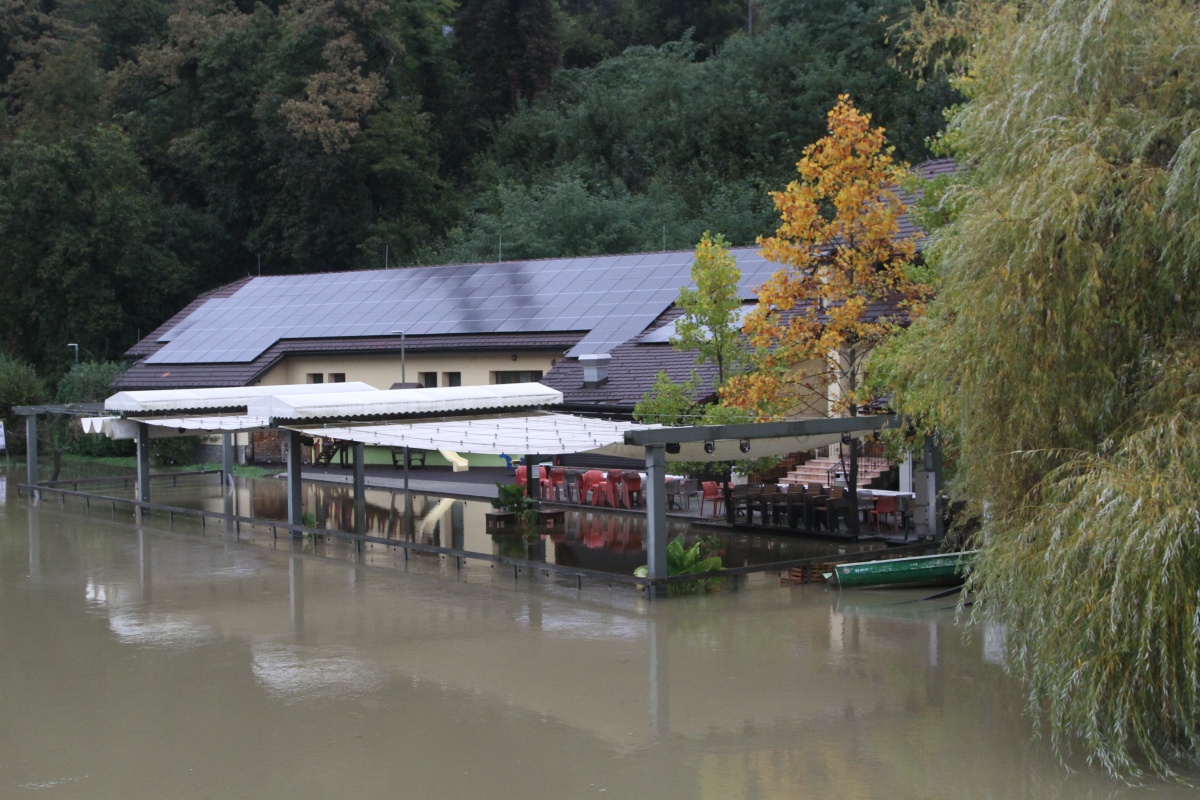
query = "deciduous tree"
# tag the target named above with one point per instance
(846, 283)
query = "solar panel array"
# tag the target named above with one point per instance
(613, 298)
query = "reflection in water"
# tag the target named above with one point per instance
(587, 539)
(296, 671)
(251, 672)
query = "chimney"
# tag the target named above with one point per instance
(595, 369)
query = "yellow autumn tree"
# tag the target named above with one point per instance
(846, 282)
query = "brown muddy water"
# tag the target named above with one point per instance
(142, 662)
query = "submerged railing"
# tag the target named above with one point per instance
(651, 587)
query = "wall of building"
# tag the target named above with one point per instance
(381, 371)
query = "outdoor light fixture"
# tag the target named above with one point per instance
(744, 445)
(710, 446)
(673, 448)
(847, 438)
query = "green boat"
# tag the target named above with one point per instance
(941, 568)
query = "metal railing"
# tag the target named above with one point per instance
(649, 586)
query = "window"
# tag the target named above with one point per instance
(314, 377)
(452, 378)
(517, 376)
(427, 380)
(337, 377)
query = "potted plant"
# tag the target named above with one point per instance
(698, 559)
(514, 507)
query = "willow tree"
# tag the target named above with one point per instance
(1061, 351)
(845, 285)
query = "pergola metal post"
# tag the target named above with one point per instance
(656, 514)
(360, 493)
(31, 451)
(143, 462)
(295, 498)
(227, 458)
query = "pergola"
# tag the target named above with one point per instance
(497, 419)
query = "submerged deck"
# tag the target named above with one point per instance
(479, 483)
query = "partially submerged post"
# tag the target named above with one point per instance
(31, 463)
(295, 496)
(656, 515)
(143, 462)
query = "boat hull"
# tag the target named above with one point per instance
(941, 568)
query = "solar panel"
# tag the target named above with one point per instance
(611, 298)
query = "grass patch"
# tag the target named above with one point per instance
(130, 463)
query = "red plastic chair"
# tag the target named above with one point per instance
(594, 483)
(712, 491)
(633, 490)
(885, 505)
(552, 483)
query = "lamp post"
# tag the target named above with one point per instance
(76, 348)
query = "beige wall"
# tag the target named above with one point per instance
(814, 402)
(381, 371)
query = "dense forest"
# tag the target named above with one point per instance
(153, 149)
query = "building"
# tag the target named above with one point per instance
(595, 328)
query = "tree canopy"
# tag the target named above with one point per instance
(1060, 355)
(320, 135)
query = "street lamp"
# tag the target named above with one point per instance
(76, 346)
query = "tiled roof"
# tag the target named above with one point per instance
(631, 372)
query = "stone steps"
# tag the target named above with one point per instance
(817, 471)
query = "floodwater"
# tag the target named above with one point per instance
(594, 540)
(142, 662)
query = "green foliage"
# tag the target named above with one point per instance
(703, 556)
(669, 402)
(89, 382)
(656, 123)
(19, 386)
(711, 321)
(1058, 356)
(86, 246)
(176, 451)
(206, 140)
(511, 50)
(511, 497)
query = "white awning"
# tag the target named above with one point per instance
(166, 427)
(541, 433)
(148, 402)
(95, 424)
(397, 402)
(550, 434)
